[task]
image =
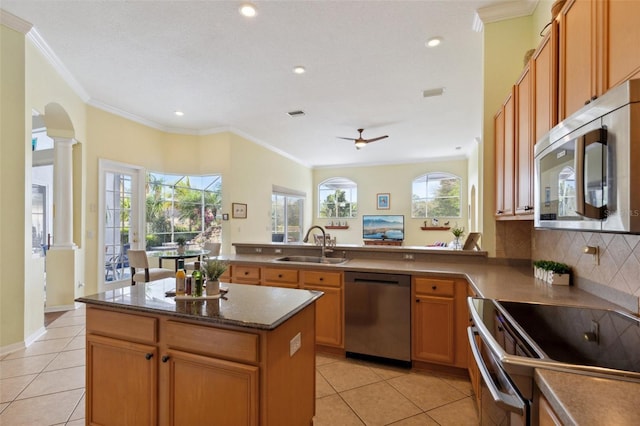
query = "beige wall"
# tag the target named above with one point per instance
(395, 180)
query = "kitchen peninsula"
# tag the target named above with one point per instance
(233, 360)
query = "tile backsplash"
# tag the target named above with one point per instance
(618, 270)
(615, 278)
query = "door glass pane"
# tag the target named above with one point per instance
(118, 198)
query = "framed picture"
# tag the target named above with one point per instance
(238, 210)
(383, 201)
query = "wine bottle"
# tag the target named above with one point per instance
(198, 282)
(180, 278)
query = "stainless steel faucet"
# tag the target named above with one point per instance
(324, 238)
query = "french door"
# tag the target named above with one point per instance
(121, 221)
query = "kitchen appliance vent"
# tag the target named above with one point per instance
(298, 113)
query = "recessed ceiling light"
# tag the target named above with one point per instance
(433, 41)
(458, 148)
(179, 113)
(299, 69)
(248, 10)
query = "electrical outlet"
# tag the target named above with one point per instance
(408, 256)
(295, 344)
(278, 251)
(258, 249)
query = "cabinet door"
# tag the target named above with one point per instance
(205, 390)
(329, 316)
(504, 127)
(544, 67)
(245, 274)
(577, 55)
(280, 277)
(546, 415)
(524, 144)
(621, 41)
(122, 382)
(433, 329)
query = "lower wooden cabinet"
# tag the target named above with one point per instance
(228, 390)
(329, 308)
(280, 277)
(439, 321)
(546, 415)
(433, 320)
(241, 274)
(196, 374)
(122, 380)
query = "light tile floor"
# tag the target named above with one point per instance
(44, 384)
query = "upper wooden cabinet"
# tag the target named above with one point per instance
(504, 126)
(544, 74)
(524, 143)
(598, 49)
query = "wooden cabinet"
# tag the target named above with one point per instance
(122, 380)
(544, 69)
(524, 143)
(242, 274)
(439, 321)
(197, 381)
(598, 49)
(280, 277)
(546, 415)
(577, 55)
(197, 374)
(504, 126)
(329, 308)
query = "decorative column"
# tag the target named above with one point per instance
(63, 193)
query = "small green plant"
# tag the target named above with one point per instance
(457, 231)
(549, 265)
(181, 241)
(214, 268)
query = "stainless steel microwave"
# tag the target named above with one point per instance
(587, 168)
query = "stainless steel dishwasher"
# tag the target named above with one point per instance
(378, 316)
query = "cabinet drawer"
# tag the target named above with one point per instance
(323, 278)
(246, 272)
(276, 275)
(212, 341)
(122, 326)
(435, 287)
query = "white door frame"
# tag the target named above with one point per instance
(137, 218)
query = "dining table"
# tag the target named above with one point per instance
(175, 255)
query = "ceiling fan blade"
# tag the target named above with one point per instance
(376, 139)
(349, 139)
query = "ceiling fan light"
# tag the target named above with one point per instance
(360, 144)
(248, 10)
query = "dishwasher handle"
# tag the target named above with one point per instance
(376, 281)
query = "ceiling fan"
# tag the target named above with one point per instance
(360, 142)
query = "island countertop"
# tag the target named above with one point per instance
(246, 306)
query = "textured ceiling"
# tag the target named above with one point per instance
(366, 61)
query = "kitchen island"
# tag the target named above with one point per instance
(246, 358)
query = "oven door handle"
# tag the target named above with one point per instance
(511, 402)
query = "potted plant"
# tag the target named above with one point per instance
(181, 242)
(457, 233)
(551, 272)
(213, 269)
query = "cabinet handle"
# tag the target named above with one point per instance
(148, 356)
(527, 208)
(417, 300)
(321, 279)
(165, 358)
(246, 272)
(434, 287)
(279, 275)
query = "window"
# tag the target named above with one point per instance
(436, 195)
(287, 211)
(337, 198)
(182, 206)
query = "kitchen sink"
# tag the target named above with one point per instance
(313, 259)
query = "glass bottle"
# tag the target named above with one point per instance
(180, 278)
(197, 280)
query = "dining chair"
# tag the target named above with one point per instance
(138, 260)
(214, 251)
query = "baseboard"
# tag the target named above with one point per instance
(5, 350)
(60, 308)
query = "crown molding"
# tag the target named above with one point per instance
(37, 40)
(502, 11)
(12, 21)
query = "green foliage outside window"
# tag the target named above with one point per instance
(436, 195)
(337, 198)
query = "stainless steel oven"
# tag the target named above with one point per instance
(514, 338)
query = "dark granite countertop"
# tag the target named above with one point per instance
(242, 306)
